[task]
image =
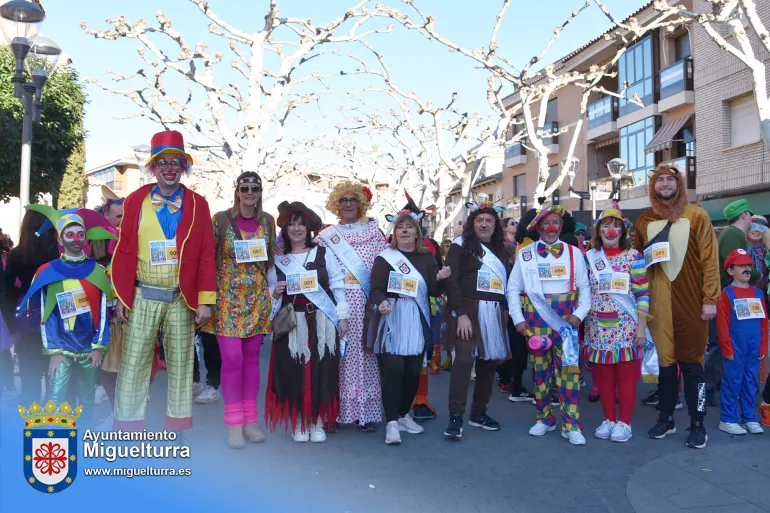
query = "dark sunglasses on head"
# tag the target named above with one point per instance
(254, 188)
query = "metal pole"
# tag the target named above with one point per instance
(593, 204)
(26, 147)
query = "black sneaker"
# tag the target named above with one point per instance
(484, 421)
(522, 396)
(454, 431)
(663, 428)
(698, 436)
(555, 399)
(369, 427)
(711, 399)
(421, 413)
(653, 399)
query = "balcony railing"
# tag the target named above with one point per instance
(676, 78)
(515, 150)
(686, 165)
(602, 112)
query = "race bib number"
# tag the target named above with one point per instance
(487, 282)
(351, 282)
(163, 252)
(72, 302)
(254, 250)
(300, 283)
(749, 309)
(614, 283)
(546, 271)
(659, 252)
(400, 284)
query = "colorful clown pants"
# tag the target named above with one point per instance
(177, 324)
(547, 366)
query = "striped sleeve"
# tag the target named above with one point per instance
(640, 286)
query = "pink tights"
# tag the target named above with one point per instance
(240, 378)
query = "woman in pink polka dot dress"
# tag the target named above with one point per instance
(360, 392)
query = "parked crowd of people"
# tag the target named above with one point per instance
(357, 319)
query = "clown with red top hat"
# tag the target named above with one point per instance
(549, 295)
(167, 282)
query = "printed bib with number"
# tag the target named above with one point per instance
(72, 302)
(749, 309)
(659, 252)
(350, 280)
(614, 283)
(253, 250)
(163, 252)
(487, 282)
(400, 284)
(546, 271)
(300, 283)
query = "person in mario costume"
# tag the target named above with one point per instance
(166, 281)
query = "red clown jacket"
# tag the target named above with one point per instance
(194, 237)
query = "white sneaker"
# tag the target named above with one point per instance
(198, 388)
(731, 428)
(317, 433)
(753, 427)
(604, 431)
(621, 432)
(100, 396)
(392, 433)
(208, 395)
(540, 428)
(473, 373)
(299, 435)
(574, 437)
(409, 425)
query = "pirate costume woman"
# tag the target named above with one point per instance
(303, 380)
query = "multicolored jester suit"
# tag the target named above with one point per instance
(74, 292)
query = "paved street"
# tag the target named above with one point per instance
(506, 471)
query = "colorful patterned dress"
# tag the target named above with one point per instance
(360, 392)
(610, 332)
(243, 302)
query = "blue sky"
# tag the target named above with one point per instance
(418, 65)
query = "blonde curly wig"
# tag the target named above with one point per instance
(342, 188)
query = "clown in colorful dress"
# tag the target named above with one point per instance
(355, 243)
(549, 295)
(74, 292)
(164, 276)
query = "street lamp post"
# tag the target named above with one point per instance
(572, 172)
(593, 201)
(616, 167)
(20, 22)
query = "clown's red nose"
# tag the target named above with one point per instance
(612, 232)
(551, 228)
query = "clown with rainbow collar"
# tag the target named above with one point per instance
(74, 293)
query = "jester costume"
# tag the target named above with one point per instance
(163, 268)
(74, 292)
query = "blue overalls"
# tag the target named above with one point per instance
(739, 375)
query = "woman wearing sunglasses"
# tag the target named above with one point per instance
(245, 245)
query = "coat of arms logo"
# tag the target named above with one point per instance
(50, 459)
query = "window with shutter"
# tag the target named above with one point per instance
(744, 121)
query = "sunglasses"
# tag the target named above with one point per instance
(254, 188)
(758, 227)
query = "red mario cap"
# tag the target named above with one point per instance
(738, 257)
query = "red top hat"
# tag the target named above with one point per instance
(169, 141)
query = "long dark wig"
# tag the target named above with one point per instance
(472, 244)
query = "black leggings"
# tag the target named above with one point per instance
(400, 379)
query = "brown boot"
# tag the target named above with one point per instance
(253, 433)
(235, 438)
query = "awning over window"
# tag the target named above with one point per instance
(664, 137)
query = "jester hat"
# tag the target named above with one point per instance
(553, 209)
(95, 224)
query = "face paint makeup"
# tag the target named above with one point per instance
(74, 239)
(612, 232)
(552, 228)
